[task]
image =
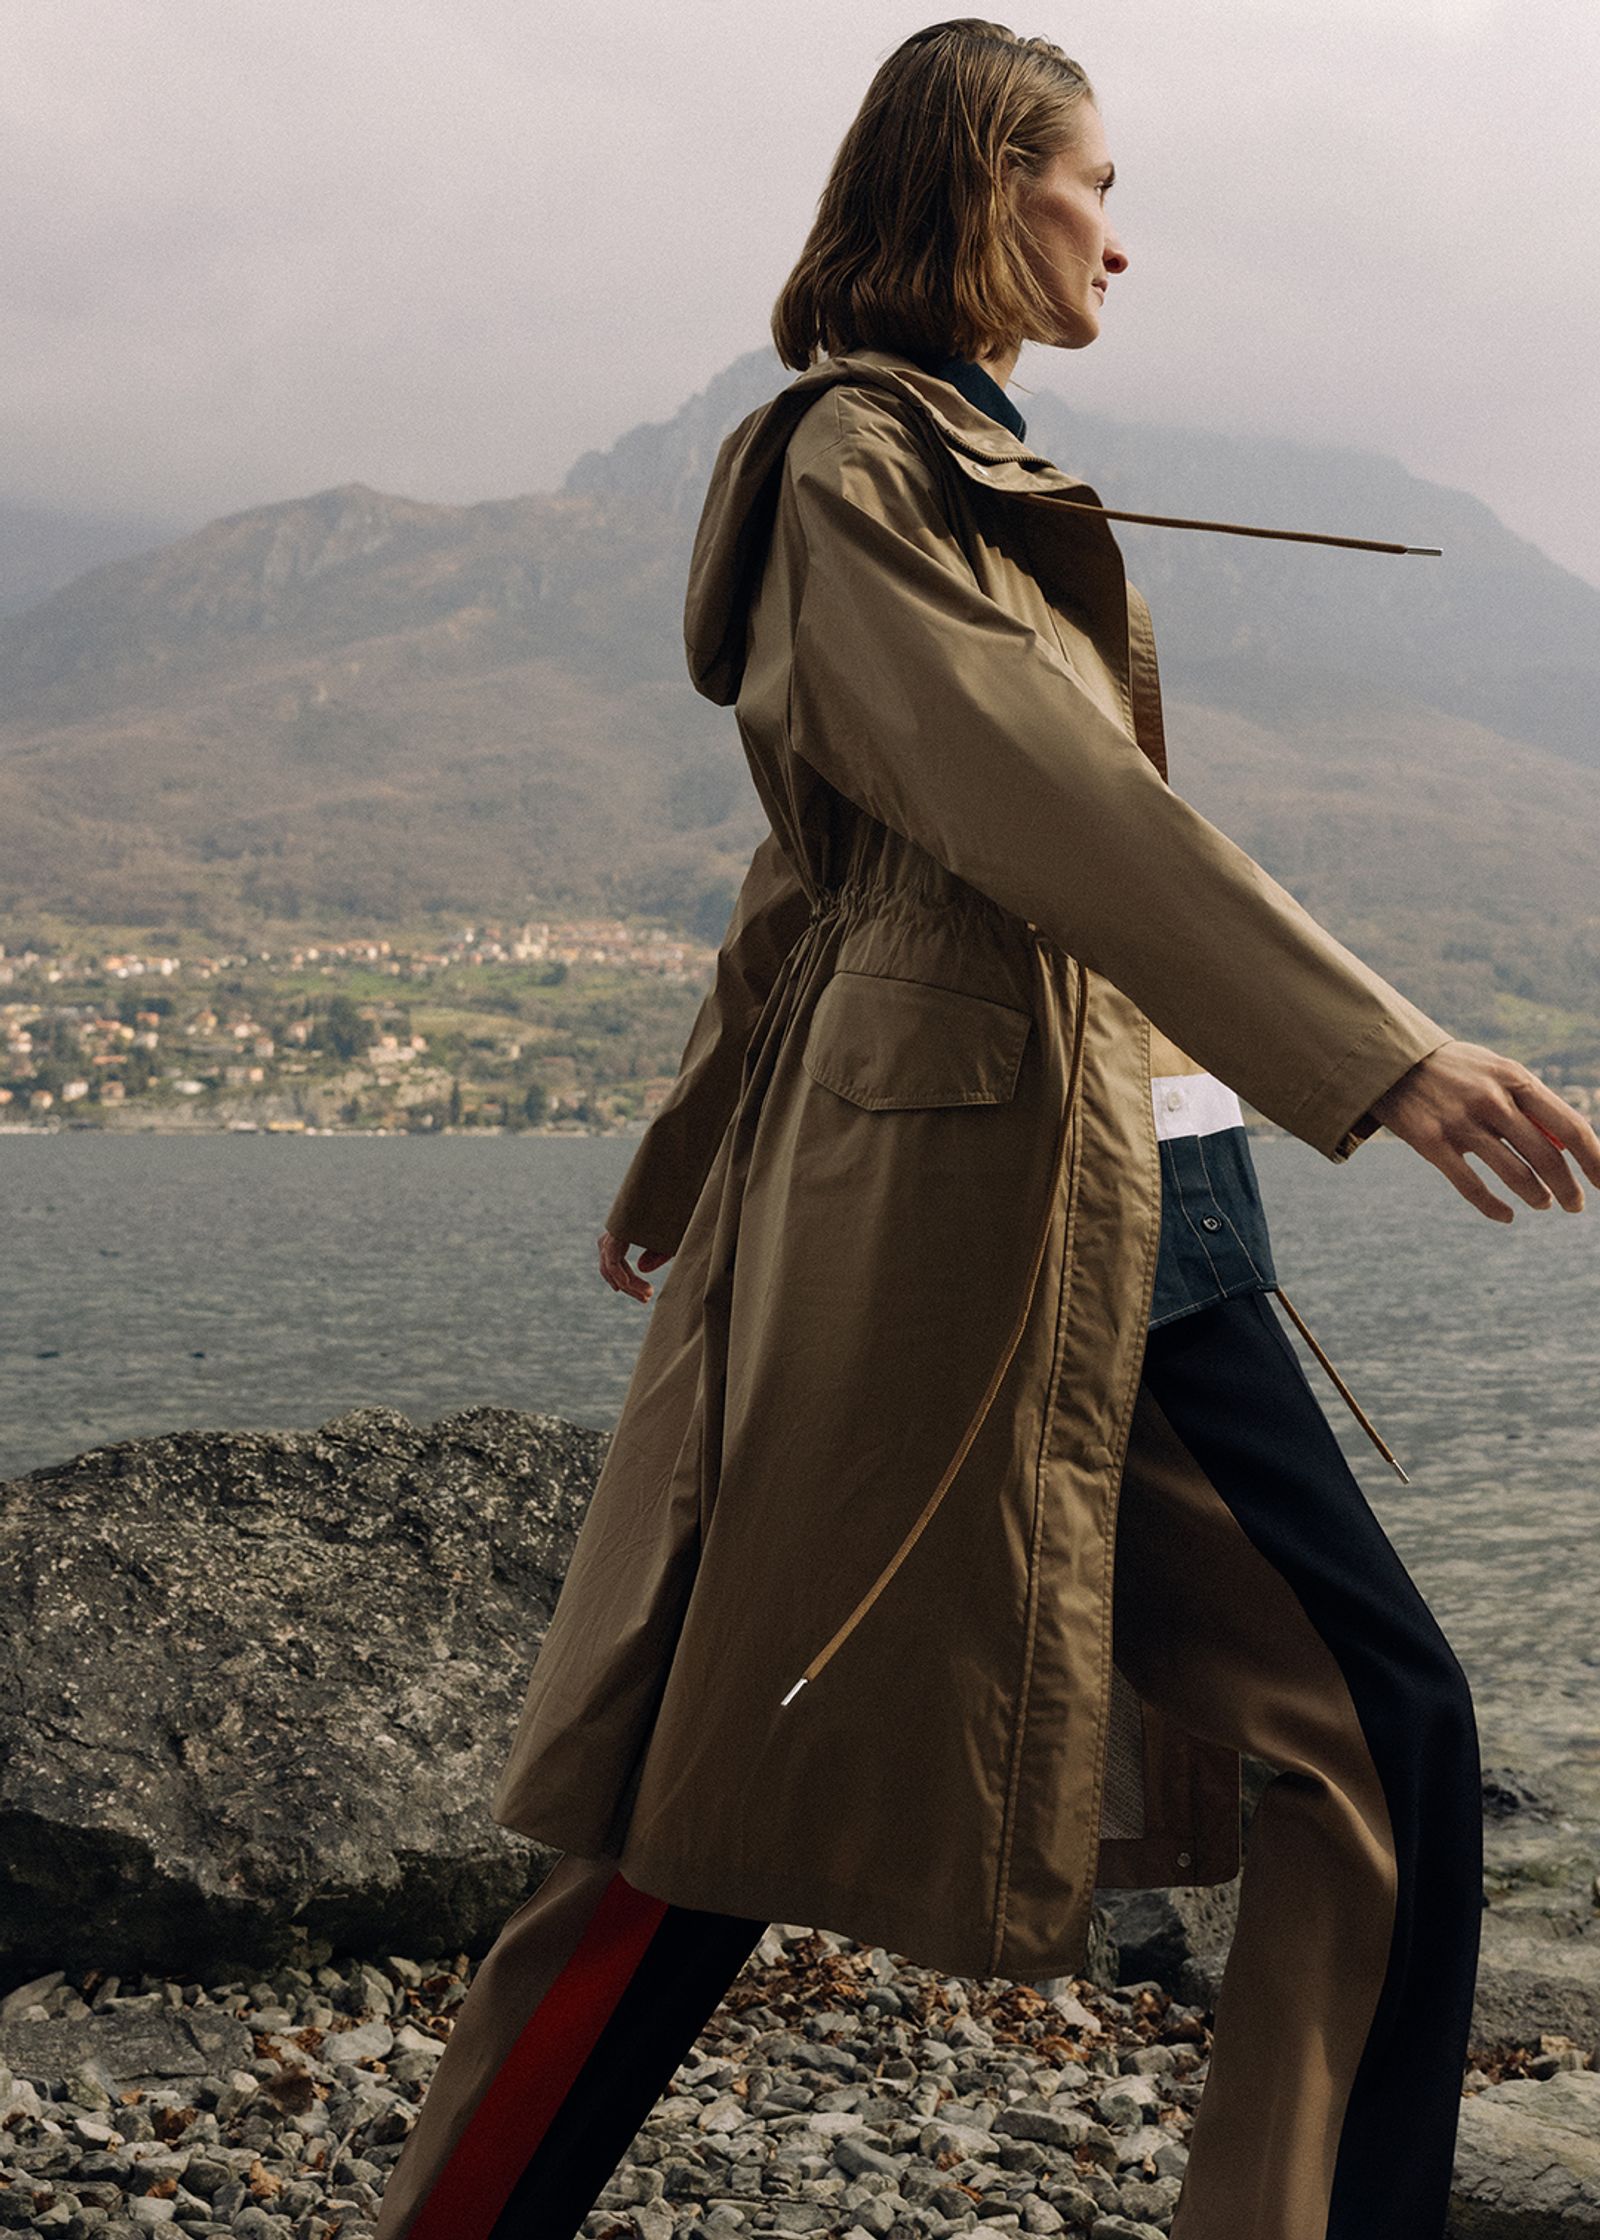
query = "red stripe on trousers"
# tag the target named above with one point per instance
(537, 2074)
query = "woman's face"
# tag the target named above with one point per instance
(1074, 249)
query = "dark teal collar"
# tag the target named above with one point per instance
(981, 390)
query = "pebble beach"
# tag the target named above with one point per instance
(834, 2091)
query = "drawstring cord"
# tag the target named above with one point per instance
(1344, 1390)
(1058, 1166)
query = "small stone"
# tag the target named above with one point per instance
(369, 2041)
(937, 2139)
(833, 2123)
(1054, 2127)
(1150, 2198)
(1078, 2207)
(14, 2007)
(857, 2157)
(1127, 2102)
(876, 2218)
(90, 2085)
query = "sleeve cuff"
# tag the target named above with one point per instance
(1335, 1118)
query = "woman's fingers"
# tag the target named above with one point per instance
(1503, 1159)
(1464, 1099)
(616, 1271)
(1563, 1125)
(1467, 1180)
(1522, 1152)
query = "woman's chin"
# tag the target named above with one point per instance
(1080, 331)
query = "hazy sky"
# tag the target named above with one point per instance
(254, 247)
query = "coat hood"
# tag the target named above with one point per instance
(741, 499)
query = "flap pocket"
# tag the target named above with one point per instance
(895, 1044)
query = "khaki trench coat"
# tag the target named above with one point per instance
(910, 1176)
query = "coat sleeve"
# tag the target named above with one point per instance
(947, 717)
(674, 1155)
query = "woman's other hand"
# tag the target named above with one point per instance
(1463, 1098)
(621, 1277)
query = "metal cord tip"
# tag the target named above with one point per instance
(795, 1690)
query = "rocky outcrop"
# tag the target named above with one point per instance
(1538, 1973)
(1528, 2161)
(261, 1683)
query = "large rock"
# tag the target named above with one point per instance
(1538, 1973)
(1177, 1938)
(1528, 2161)
(256, 1679)
(144, 2046)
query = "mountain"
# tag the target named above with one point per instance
(355, 704)
(356, 707)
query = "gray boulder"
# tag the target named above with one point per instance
(1177, 1938)
(1528, 2161)
(143, 2046)
(1538, 1973)
(258, 1685)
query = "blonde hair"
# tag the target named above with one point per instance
(917, 245)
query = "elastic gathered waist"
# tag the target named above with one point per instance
(872, 898)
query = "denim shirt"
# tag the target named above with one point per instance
(1214, 1242)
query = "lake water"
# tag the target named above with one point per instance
(153, 1283)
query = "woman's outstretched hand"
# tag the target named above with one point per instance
(614, 1265)
(1462, 1098)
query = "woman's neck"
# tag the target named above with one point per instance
(1001, 368)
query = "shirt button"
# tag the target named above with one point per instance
(1209, 1221)
(1174, 1100)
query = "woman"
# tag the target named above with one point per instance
(843, 1640)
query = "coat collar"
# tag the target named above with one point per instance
(979, 387)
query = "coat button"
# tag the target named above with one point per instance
(1183, 1858)
(1209, 1221)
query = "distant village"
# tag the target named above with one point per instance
(572, 1025)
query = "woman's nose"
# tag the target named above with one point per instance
(1114, 257)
